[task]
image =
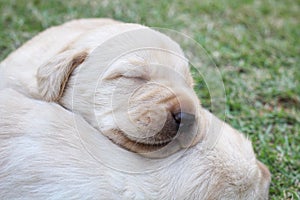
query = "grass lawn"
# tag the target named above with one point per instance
(255, 44)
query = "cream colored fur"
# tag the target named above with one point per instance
(92, 97)
(42, 157)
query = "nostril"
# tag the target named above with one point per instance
(177, 118)
(183, 119)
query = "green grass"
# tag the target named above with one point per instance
(255, 44)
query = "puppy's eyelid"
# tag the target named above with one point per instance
(136, 76)
(127, 71)
(118, 76)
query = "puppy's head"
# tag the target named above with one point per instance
(135, 88)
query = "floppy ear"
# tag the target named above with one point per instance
(53, 75)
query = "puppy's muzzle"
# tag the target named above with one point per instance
(159, 117)
(176, 124)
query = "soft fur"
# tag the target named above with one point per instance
(42, 156)
(114, 86)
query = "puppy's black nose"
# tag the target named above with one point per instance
(184, 120)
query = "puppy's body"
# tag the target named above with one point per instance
(93, 69)
(44, 157)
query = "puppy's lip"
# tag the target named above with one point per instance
(136, 146)
(184, 138)
(165, 142)
(149, 140)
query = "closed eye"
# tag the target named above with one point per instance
(135, 75)
(132, 73)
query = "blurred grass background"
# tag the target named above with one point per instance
(255, 44)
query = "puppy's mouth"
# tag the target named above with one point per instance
(138, 146)
(171, 131)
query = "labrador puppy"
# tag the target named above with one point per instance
(102, 70)
(132, 85)
(49, 152)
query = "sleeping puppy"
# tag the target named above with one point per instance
(46, 153)
(132, 85)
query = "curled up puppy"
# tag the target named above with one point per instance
(103, 109)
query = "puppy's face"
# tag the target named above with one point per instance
(149, 102)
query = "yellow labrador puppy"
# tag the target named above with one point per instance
(132, 85)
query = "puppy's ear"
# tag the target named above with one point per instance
(53, 75)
